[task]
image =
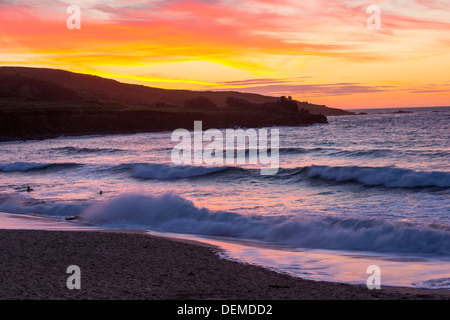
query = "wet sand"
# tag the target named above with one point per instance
(132, 265)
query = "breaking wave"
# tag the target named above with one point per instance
(368, 176)
(172, 213)
(388, 177)
(382, 176)
(170, 172)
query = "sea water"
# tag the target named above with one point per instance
(362, 190)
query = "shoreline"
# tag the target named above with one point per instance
(131, 264)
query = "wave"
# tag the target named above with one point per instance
(158, 171)
(337, 152)
(286, 150)
(35, 166)
(300, 150)
(440, 283)
(172, 213)
(362, 153)
(368, 176)
(75, 150)
(33, 207)
(381, 176)
(388, 177)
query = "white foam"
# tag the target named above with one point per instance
(172, 213)
(440, 283)
(383, 176)
(170, 172)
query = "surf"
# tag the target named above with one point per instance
(35, 166)
(388, 177)
(170, 212)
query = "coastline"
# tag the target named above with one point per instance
(130, 265)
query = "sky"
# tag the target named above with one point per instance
(320, 51)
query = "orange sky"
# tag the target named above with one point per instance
(319, 51)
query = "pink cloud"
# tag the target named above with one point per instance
(315, 90)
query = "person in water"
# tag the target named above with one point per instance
(29, 189)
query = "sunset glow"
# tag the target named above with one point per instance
(318, 51)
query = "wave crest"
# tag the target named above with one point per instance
(32, 166)
(170, 172)
(172, 213)
(382, 176)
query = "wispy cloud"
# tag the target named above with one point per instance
(316, 90)
(262, 45)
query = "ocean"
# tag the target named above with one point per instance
(363, 190)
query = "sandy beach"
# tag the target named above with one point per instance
(132, 265)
